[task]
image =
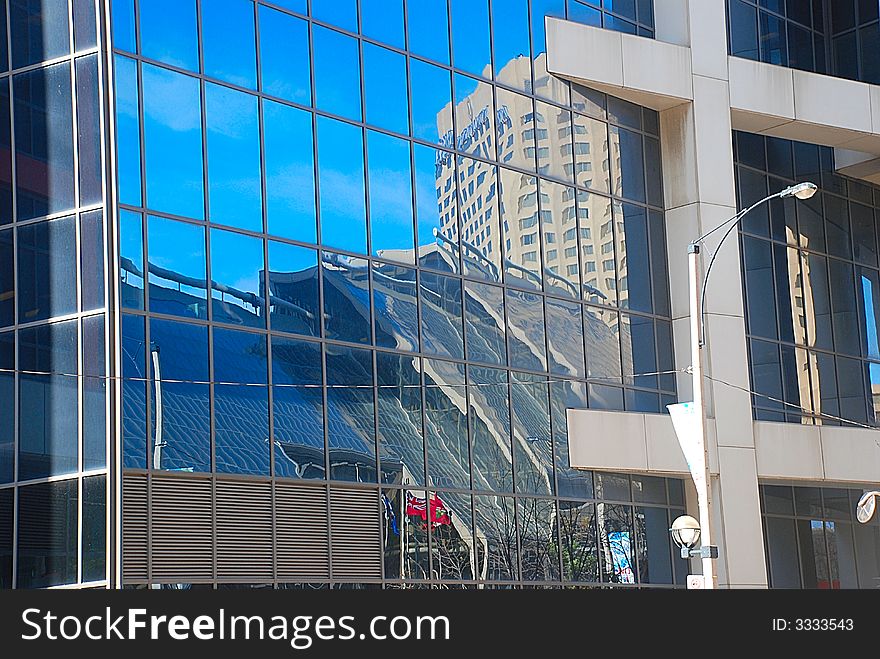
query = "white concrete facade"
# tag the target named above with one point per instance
(703, 95)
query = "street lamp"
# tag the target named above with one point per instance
(699, 466)
(866, 506)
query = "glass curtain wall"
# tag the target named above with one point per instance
(395, 258)
(53, 394)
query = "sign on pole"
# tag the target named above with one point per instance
(687, 429)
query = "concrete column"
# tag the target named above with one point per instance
(700, 194)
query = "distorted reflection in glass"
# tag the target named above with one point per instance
(546, 85)
(131, 259)
(624, 113)
(128, 141)
(408, 516)
(596, 233)
(297, 409)
(399, 405)
(431, 102)
(391, 202)
(229, 54)
(553, 141)
(633, 260)
(478, 204)
(385, 92)
(176, 262)
(577, 526)
(532, 444)
(484, 323)
(351, 427)
(47, 446)
(180, 408)
(565, 339)
(515, 128)
(134, 393)
(446, 432)
(428, 29)
(495, 531)
(519, 219)
(241, 403)
(638, 352)
(525, 329)
(341, 185)
(436, 209)
(396, 307)
(474, 118)
(490, 429)
(452, 538)
(234, 194)
(442, 323)
(293, 289)
(616, 543)
(173, 142)
(539, 545)
(510, 43)
(337, 73)
(290, 172)
(601, 332)
(346, 297)
(560, 241)
(627, 164)
(284, 56)
(844, 313)
(590, 153)
(169, 32)
(46, 263)
(237, 279)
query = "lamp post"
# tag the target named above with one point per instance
(700, 470)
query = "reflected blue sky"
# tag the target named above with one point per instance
(337, 73)
(382, 20)
(391, 220)
(229, 54)
(169, 32)
(341, 185)
(385, 94)
(284, 56)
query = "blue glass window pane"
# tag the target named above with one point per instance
(342, 13)
(128, 140)
(176, 262)
(595, 229)
(7, 279)
(47, 559)
(5, 158)
(48, 442)
(481, 236)
(638, 350)
(628, 168)
(293, 289)
(43, 141)
(474, 117)
(490, 429)
(341, 185)
(124, 25)
(46, 262)
(382, 20)
(530, 423)
(300, 6)
(495, 521)
(179, 351)
(559, 237)
(743, 29)
(773, 43)
(385, 95)
(7, 407)
(94, 528)
(484, 321)
(241, 413)
(399, 405)
(431, 102)
(546, 85)
(88, 108)
(525, 321)
(297, 408)
(519, 219)
(337, 73)
(390, 179)
(173, 142)
(284, 56)
(94, 388)
(428, 29)
(346, 297)
(350, 414)
(228, 41)
(234, 193)
(39, 31)
(91, 235)
(601, 327)
(633, 262)
(582, 13)
(565, 338)
(4, 65)
(84, 28)
(515, 127)
(470, 37)
(134, 396)
(396, 308)
(131, 260)
(446, 425)
(169, 33)
(442, 329)
(290, 172)
(436, 204)
(237, 276)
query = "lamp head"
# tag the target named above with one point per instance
(801, 191)
(866, 506)
(685, 531)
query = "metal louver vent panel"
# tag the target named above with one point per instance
(354, 521)
(135, 546)
(181, 530)
(302, 538)
(244, 531)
